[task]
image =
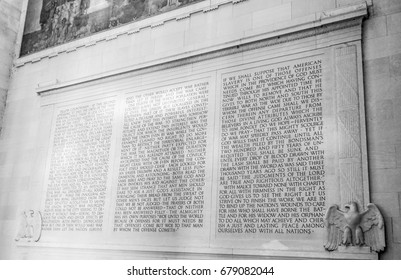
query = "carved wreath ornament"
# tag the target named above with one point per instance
(352, 228)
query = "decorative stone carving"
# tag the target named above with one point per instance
(30, 228)
(350, 159)
(352, 228)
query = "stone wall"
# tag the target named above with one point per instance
(10, 12)
(382, 66)
(168, 37)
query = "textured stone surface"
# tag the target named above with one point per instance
(306, 7)
(385, 180)
(383, 156)
(9, 23)
(388, 202)
(375, 27)
(395, 67)
(382, 88)
(396, 223)
(386, 7)
(394, 23)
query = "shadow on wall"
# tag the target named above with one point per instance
(62, 21)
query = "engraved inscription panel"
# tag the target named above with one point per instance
(161, 181)
(239, 157)
(272, 158)
(79, 164)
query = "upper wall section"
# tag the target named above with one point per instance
(54, 22)
(200, 28)
(10, 12)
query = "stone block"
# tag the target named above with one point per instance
(271, 16)
(385, 180)
(394, 44)
(300, 8)
(341, 3)
(223, 13)
(200, 34)
(390, 249)
(397, 251)
(395, 66)
(3, 156)
(398, 155)
(8, 33)
(6, 169)
(170, 27)
(381, 124)
(146, 49)
(382, 47)
(9, 12)
(377, 89)
(237, 26)
(399, 199)
(396, 230)
(382, 156)
(375, 27)
(170, 42)
(116, 56)
(86, 66)
(17, 184)
(7, 247)
(380, 119)
(19, 136)
(385, 7)
(394, 90)
(200, 19)
(377, 68)
(375, 48)
(14, 3)
(22, 169)
(306, 7)
(3, 98)
(5, 69)
(7, 45)
(20, 111)
(397, 106)
(8, 212)
(394, 23)
(4, 82)
(388, 203)
(249, 7)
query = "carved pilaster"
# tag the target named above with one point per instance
(348, 120)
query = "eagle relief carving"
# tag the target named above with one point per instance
(30, 228)
(353, 228)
